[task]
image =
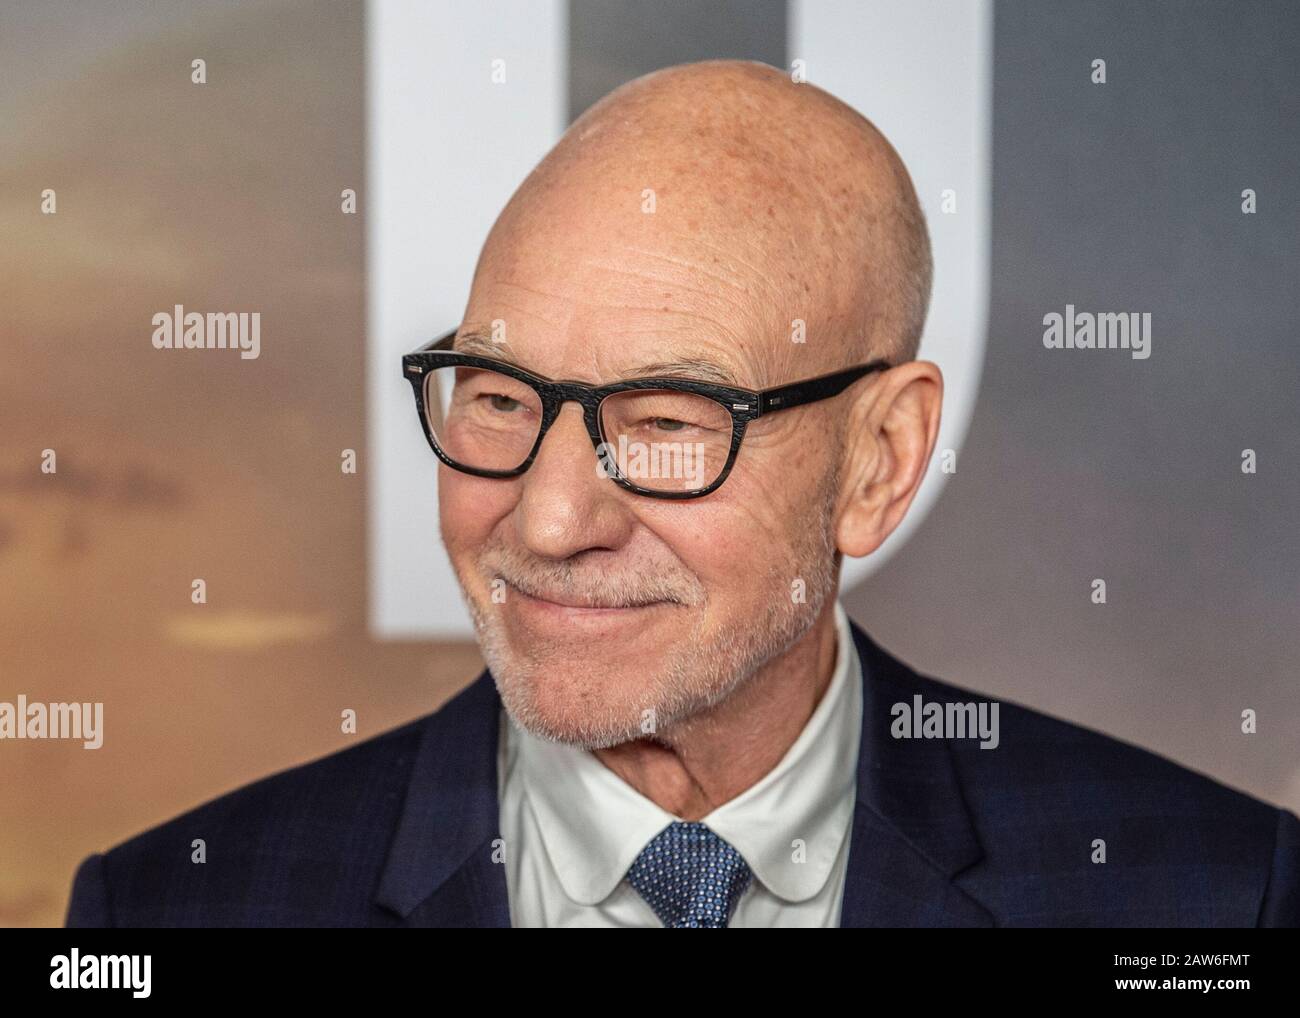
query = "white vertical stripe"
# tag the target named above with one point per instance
(922, 72)
(445, 149)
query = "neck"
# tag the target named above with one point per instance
(710, 758)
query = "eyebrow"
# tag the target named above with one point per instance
(480, 345)
(698, 369)
(694, 368)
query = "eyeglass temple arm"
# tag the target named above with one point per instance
(780, 398)
(813, 389)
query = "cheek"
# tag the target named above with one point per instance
(782, 488)
(470, 507)
(726, 542)
(743, 545)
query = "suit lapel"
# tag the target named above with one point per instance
(441, 868)
(911, 831)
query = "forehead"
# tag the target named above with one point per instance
(685, 360)
(597, 307)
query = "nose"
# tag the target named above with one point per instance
(566, 505)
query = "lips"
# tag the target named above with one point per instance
(566, 600)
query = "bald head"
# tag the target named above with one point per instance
(757, 182)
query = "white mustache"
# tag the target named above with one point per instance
(560, 584)
(599, 598)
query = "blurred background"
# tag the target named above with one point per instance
(1071, 465)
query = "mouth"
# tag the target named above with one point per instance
(572, 607)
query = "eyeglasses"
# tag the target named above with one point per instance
(673, 438)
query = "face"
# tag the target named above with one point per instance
(604, 615)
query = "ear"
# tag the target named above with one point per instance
(893, 427)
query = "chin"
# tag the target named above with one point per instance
(586, 707)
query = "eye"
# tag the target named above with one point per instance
(667, 424)
(504, 403)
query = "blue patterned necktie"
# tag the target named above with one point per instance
(690, 876)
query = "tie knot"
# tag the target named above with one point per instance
(690, 876)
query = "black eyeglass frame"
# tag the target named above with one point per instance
(744, 405)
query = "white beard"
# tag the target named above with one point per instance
(696, 674)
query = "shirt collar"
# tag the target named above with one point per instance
(789, 826)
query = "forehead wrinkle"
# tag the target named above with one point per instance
(698, 368)
(675, 282)
(666, 280)
(744, 308)
(687, 264)
(714, 351)
(545, 294)
(727, 251)
(718, 321)
(723, 354)
(761, 277)
(657, 318)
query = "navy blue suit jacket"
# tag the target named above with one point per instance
(399, 831)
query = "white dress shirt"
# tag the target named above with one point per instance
(572, 827)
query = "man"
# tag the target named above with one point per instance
(685, 386)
